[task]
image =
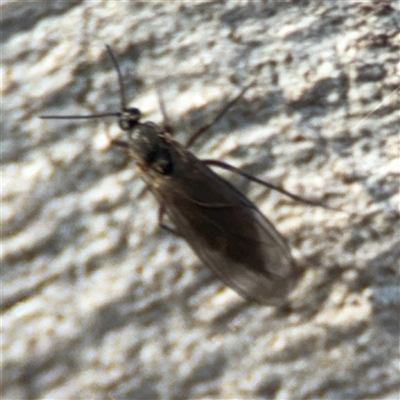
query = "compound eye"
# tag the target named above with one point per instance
(134, 113)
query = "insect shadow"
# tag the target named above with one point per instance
(224, 228)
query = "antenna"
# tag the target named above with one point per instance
(120, 78)
(111, 114)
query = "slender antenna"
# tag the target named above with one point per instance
(120, 79)
(91, 116)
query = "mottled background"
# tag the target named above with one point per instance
(97, 302)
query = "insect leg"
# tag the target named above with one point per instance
(143, 192)
(161, 213)
(119, 143)
(204, 128)
(315, 203)
(166, 121)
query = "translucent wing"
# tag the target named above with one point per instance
(226, 230)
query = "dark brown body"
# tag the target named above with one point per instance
(224, 228)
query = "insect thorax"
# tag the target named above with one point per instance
(147, 145)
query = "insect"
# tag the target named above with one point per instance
(224, 228)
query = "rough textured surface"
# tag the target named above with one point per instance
(97, 302)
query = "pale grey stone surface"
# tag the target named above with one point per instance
(97, 302)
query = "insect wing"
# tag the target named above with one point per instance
(228, 233)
